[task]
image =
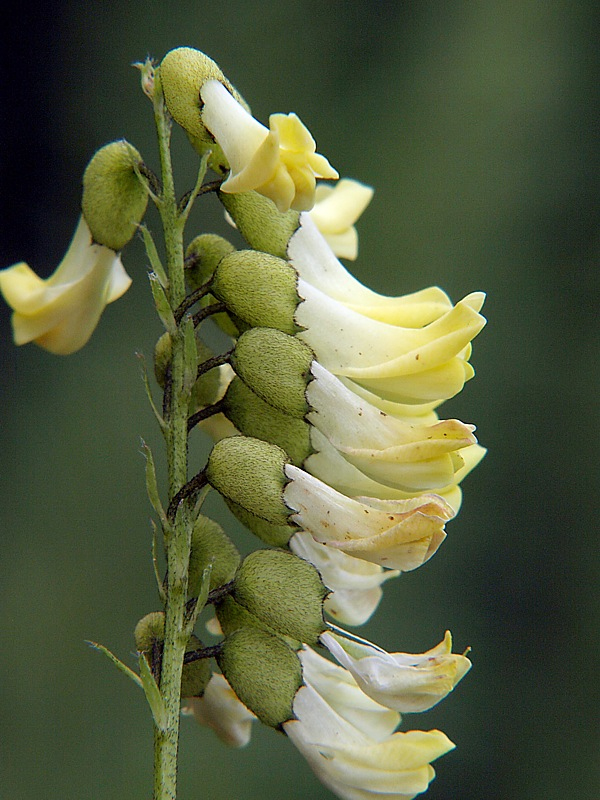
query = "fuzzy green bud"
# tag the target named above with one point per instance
(276, 367)
(211, 543)
(203, 255)
(252, 416)
(114, 199)
(263, 672)
(259, 289)
(250, 473)
(283, 591)
(260, 223)
(270, 533)
(149, 637)
(181, 74)
(163, 350)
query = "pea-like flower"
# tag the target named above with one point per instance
(279, 162)
(407, 455)
(355, 584)
(402, 681)
(335, 212)
(61, 312)
(314, 260)
(220, 709)
(399, 534)
(352, 750)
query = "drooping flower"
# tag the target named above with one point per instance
(61, 312)
(351, 748)
(279, 162)
(355, 584)
(402, 681)
(336, 210)
(220, 709)
(407, 455)
(399, 534)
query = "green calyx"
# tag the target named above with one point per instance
(276, 367)
(259, 289)
(263, 672)
(252, 416)
(251, 474)
(209, 544)
(114, 199)
(271, 533)
(260, 223)
(202, 257)
(284, 592)
(182, 73)
(232, 616)
(149, 637)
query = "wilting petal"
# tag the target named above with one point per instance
(336, 210)
(220, 709)
(355, 584)
(399, 534)
(61, 312)
(279, 162)
(402, 681)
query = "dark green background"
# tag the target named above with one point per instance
(477, 123)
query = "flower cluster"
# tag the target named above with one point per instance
(328, 446)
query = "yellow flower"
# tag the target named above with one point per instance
(336, 210)
(61, 312)
(279, 162)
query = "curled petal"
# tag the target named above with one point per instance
(399, 534)
(402, 681)
(61, 312)
(401, 454)
(336, 210)
(279, 162)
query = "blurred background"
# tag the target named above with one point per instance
(477, 123)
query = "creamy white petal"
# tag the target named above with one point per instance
(405, 682)
(220, 709)
(355, 584)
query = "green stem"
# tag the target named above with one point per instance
(176, 433)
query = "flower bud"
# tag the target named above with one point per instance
(149, 637)
(259, 289)
(210, 542)
(283, 591)
(163, 351)
(252, 416)
(260, 223)
(114, 199)
(263, 672)
(276, 367)
(202, 257)
(250, 473)
(182, 73)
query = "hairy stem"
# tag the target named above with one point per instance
(176, 431)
